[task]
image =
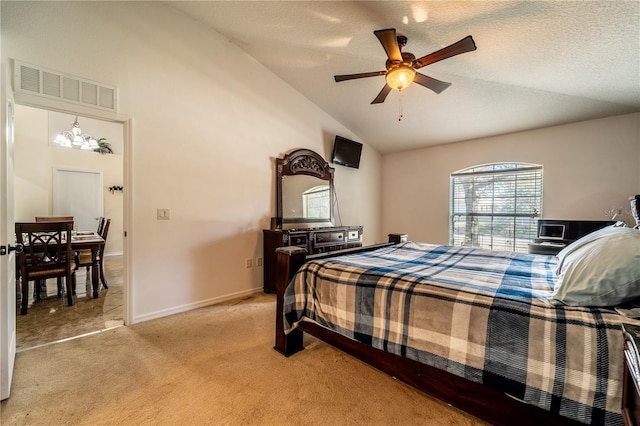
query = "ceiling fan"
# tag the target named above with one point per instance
(401, 66)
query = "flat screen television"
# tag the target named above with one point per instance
(346, 152)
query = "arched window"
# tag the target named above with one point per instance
(495, 206)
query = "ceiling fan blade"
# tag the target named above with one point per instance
(431, 83)
(344, 77)
(465, 45)
(382, 95)
(389, 43)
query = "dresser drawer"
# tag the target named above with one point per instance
(328, 248)
(299, 240)
(328, 237)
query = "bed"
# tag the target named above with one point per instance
(480, 330)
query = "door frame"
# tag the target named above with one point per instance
(126, 121)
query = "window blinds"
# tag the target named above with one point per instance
(496, 206)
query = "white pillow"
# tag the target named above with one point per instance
(580, 243)
(600, 269)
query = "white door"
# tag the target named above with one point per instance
(7, 239)
(79, 194)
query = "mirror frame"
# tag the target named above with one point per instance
(302, 162)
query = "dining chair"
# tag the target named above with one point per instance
(38, 290)
(83, 257)
(46, 253)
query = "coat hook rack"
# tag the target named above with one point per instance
(115, 188)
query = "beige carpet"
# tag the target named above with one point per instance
(210, 366)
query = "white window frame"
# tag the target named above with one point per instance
(495, 206)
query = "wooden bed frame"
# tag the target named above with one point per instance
(476, 399)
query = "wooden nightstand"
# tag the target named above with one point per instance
(631, 378)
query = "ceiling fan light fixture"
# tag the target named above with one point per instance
(401, 66)
(400, 76)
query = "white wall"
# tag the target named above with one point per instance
(589, 169)
(208, 121)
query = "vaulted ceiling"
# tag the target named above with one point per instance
(537, 63)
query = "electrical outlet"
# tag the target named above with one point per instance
(259, 261)
(164, 214)
(249, 263)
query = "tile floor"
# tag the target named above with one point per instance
(51, 320)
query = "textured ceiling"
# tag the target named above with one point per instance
(537, 64)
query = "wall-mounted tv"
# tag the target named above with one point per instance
(346, 152)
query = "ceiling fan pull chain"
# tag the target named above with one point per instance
(400, 106)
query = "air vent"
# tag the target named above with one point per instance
(51, 84)
(89, 93)
(30, 81)
(70, 89)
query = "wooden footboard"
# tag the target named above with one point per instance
(476, 399)
(289, 260)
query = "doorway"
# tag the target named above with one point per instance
(41, 166)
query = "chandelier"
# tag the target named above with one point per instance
(74, 138)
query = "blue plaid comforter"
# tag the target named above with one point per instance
(479, 314)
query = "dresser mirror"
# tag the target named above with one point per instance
(304, 190)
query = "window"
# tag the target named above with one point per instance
(495, 206)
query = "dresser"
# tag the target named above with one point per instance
(304, 201)
(314, 240)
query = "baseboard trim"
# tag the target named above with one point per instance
(196, 305)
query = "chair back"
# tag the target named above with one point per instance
(46, 249)
(105, 229)
(54, 218)
(101, 221)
